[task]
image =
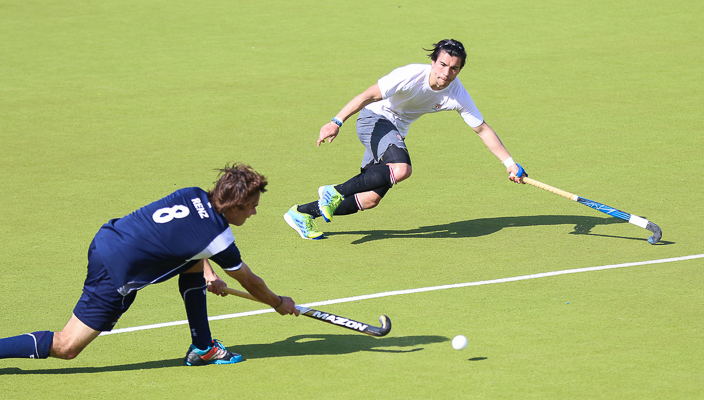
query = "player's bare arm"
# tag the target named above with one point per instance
(330, 130)
(257, 288)
(493, 143)
(215, 284)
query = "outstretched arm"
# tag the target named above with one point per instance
(493, 143)
(330, 130)
(257, 288)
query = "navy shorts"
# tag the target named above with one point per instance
(100, 305)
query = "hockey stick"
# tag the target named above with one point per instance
(331, 318)
(635, 220)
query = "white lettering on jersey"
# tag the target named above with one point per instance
(201, 209)
(167, 214)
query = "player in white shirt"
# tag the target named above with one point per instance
(387, 109)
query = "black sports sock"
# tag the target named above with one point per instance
(310, 209)
(374, 177)
(348, 206)
(192, 287)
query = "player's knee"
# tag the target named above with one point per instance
(70, 355)
(64, 349)
(369, 200)
(401, 171)
(65, 353)
(372, 203)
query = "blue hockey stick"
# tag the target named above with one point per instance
(634, 219)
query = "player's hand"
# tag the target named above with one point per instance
(216, 285)
(328, 131)
(212, 280)
(288, 306)
(516, 173)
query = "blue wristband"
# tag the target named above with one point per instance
(337, 122)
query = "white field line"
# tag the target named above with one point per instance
(418, 290)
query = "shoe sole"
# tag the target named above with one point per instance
(289, 220)
(234, 360)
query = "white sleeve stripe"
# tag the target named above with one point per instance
(235, 268)
(220, 243)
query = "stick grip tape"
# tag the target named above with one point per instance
(549, 188)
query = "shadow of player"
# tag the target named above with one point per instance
(301, 345)
(482, 227)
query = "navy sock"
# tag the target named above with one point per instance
(192, 287)
(29, 345)
(373, 177)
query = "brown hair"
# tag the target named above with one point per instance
(236, 186)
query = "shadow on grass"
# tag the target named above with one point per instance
(487, 226)
(302, 345)
(305, 345)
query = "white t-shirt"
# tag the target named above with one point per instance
(407, 95)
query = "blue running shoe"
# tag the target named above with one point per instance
(303, 224)
(215, 354)
(329, 200)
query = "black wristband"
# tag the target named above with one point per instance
(280, 303)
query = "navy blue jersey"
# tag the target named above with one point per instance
(165, 238)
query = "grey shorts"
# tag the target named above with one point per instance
(376, 134)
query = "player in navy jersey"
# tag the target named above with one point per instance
(387, 110)
(173, 236)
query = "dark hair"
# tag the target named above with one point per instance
(236, 186)
(450, 46)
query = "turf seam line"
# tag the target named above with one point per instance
(417, 290)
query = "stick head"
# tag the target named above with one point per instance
(657, 233)
(385, 325)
